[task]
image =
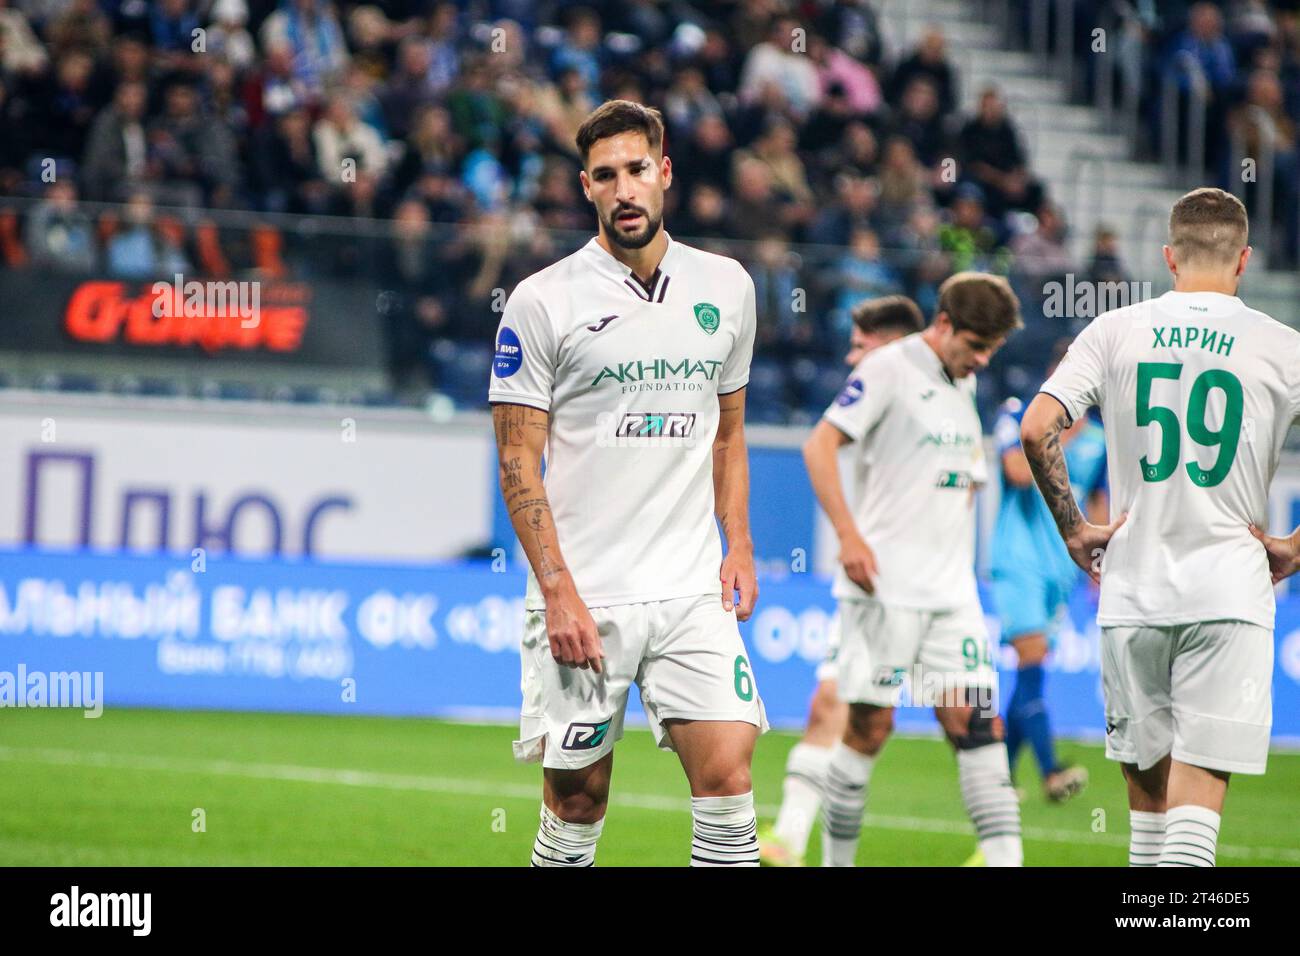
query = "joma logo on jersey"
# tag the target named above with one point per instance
(656, 424)
(585, 736)
(953, 479)
(657, 369)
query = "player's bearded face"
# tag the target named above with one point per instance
(626, 184)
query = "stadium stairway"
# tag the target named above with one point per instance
(1088, 169)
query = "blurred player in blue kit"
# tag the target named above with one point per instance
(1033, 578)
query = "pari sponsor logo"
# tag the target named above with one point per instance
(510, 354)
(75, 908)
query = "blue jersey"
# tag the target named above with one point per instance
(1026, 540)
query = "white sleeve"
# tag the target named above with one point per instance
(523, 369)
(735, 373)
(1079, 382)
(863, 401)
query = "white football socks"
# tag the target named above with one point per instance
(845, 802)
(991, 802)
(1191, 836)
(1146, 837)
(560, 843)
(725, 831)
(805, 781)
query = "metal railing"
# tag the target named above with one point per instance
(1261, 220)
(1171, 127)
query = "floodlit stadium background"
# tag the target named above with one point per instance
(300, 515)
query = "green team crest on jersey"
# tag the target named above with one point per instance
(708, 316)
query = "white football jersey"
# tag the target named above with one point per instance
(1197, 393)
(920, 454)
(631, 377)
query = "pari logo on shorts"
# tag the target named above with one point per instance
(585, 736)
(510, 354)
(707, 314)
(851, 393)
(890, 676)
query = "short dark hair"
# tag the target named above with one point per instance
(888, 313)
(1208, 227)
(620, 116)
(981, 303)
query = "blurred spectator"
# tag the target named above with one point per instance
(1043, 253)
(227, 36)
(920, 120)
(274, 89)
(859, 274)
(21, 51)
(192, 155)
(286, 169)
(705, 216)
(688, 100)
(854, 207)
(561, 109)
(409, 88)
(172, 24)
(141, 248)
(930, 60)
(444, 55)
(853, 26)
(478, 113)
(753, 207)
(1106, 265)
(117, 153)
(775, 149)
(82, 27)
(970, 238)
(59, 235)
(66, 108)
(773, 63)
(991, 154)
(775, 272)
(835, 68)
(350, 155)
(1203, 41)
(415, 302)
(372, 36)
(902, 183)
(580, 50)
(558, 202)
(318, 51)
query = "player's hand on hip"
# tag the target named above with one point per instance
(1283, 555)
(575, 642)
(1087, 546)
(738, 576)
(859, 563)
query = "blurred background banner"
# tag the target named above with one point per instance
(173, 477)
(440, 640)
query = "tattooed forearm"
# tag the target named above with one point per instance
(521, 440)
(1047, 462)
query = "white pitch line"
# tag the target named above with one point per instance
(295, 773)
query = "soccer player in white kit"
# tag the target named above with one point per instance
(876, 322)
(1197, 393)
(626, 365)
(909, 607)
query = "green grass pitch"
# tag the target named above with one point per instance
(274, 789)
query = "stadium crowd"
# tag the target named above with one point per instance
(833, 166)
